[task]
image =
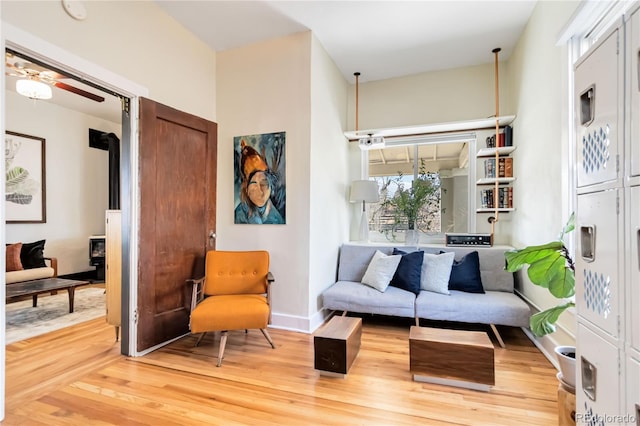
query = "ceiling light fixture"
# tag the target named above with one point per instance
(33, 89)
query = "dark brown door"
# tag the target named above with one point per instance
(178, 154)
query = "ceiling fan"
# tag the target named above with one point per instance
(17, 66)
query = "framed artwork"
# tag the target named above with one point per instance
(25, 200)
(259, 179)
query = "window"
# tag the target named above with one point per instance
(429, 168)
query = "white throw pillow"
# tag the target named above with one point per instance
(380, 270)
(436, 270)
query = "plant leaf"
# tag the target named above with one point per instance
(552, 272)
(543, 322)
(516, 259)
(14, 177)
(19, 198)
(570, 226)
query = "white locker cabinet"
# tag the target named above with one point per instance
(633, 391)
(598, 274)
(633, 52)
(598, 380)
(633, 234)
(113, 267)
(599, 105)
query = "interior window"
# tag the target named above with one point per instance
(445, 165)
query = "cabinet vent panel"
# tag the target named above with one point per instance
(597, 293)
(595, 150)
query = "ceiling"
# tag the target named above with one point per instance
(379, 39)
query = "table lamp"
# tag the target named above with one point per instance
(365, 191)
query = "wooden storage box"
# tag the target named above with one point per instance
(452, 357)
(336, 345)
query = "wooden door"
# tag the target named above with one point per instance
(177, 169)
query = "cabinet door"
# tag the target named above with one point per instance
(598, 393)
(633, 233)
(633, 50)
(599, 106)
(598, 274)
(113, 266)
(633, 390)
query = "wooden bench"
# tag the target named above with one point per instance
(336, 345)
(452, 357)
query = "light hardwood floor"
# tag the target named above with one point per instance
(77, 377)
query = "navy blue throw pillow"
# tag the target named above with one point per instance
(465, 274)
(407, 276)
(32, 255)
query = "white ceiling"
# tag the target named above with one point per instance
(380, 39)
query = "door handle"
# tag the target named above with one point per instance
(212, 238)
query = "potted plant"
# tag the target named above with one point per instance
(551, 267)
(410, 204)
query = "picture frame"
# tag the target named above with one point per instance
(25, 185)
(260, 179)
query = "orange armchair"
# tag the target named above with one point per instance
(234, 294)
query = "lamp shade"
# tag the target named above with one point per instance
(33, 89)
(364, 190)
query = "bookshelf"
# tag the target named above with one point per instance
(496, 174)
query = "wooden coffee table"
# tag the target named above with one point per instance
(452, 357)
(36, 287)
(336, 345)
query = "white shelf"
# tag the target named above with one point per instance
(491, 152)
(501, 210)
(492, 181)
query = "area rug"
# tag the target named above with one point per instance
(52, 313)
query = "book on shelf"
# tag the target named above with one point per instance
(505, 138)
(504, 201)
(505, 167)
(508, 135)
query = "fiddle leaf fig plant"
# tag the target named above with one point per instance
(550, 267)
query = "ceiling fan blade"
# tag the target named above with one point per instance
(77, 91)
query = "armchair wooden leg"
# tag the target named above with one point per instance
(266, 335)
(223, 343)
(200, 338)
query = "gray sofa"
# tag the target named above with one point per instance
(497, 306)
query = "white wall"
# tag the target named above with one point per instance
(77, 189)
(330, 175)
(265, 88)
(432, 97)
(134, 39)
(538, 76)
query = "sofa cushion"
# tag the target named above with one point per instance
(465, 274)
(28, 275)
(492, 307)
(381, 270)
(355, 297)
(435, 272)
(409, 272)
(13, 262)
(32, 255)
(354, 260)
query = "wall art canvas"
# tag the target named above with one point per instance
(259, 179)
(24, 157)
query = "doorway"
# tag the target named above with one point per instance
(113, 85)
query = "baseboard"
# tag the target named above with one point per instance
(297, 323)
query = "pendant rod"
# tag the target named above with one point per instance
(357, 74)
(497, 156)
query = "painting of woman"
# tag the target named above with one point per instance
(259, 179)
